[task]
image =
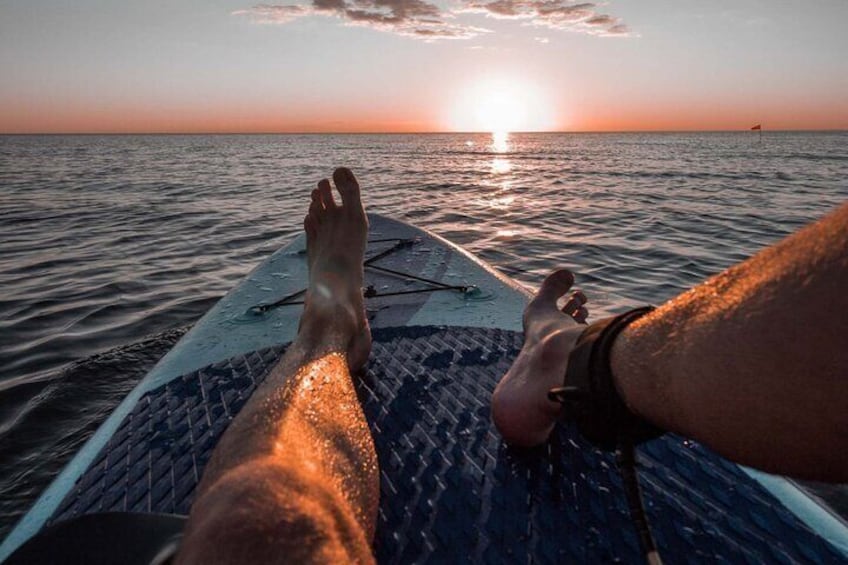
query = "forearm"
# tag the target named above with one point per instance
(754, 362)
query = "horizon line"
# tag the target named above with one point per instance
(429, 132)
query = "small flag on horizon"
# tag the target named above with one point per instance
(758, 126)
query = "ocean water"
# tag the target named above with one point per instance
(111, 246)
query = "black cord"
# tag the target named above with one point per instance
(400, 243)
(368, 292)
(626, 455)
(408, 276)
(371, 292)
(284, 301)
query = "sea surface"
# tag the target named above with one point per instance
(111, 246)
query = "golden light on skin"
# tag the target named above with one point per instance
(502, 105)
(319, 400)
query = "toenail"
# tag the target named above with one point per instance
(565, 276)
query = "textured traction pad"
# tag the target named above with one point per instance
(451, 491)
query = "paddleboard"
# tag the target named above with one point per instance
(446, 326)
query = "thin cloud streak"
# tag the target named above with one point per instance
(553, 14)
(424, 20)
(266, 14)
(411, 18)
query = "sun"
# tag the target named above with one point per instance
(500, 105)
(500, 111)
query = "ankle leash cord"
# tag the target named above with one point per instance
(591, 400)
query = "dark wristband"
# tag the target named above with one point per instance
(589, 395)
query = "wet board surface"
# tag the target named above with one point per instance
(450, 490)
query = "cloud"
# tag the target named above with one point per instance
(413, 18)
(555, 14)
(266, 14)
(618, 29)
(424, 20)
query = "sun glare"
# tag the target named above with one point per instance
(500, 141)
(500, 105)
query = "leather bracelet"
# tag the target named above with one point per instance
(589, 395)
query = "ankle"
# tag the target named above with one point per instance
(324, 319)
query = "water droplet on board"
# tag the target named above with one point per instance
(252, 315)
(475, 294)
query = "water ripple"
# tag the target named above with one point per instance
(105, 240)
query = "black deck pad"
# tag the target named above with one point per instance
(451, 490)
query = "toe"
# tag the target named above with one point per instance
(574, 303)
(315, 207)
(553, 287)
(581, 315)
(348, 187)
(310, 228)
(325, 192)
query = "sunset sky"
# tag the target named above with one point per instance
(421, 65)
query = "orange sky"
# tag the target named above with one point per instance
(657, 117)
(197, 68)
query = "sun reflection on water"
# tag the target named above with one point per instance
(500, 144)
(502, 203)
(500, 141)
(501, 165)
(506, 234)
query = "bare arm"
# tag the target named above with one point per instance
(754, 362)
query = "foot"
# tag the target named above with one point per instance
(520, 406)
(334, 314)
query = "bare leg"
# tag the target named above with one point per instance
(295, 479)
(730, 363)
